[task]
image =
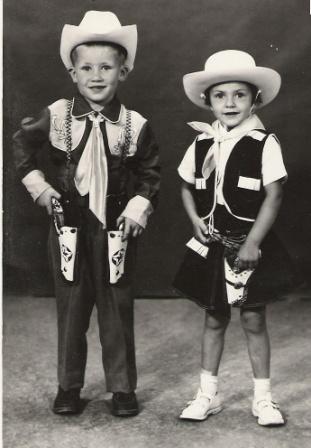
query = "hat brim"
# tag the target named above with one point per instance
(267, 80)
(72, 36)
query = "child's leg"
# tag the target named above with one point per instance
(254, 325)
(258, 344)
(213, 341)
(115, 310)
(207, 401)
(74, 307)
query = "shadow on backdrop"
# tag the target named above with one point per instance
(175, 38)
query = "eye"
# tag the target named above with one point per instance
(106, 67)
(218, 95)
(85, 68)
(240, 94)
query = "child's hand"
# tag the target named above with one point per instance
(248, 256)
(45, 199)
(200, 229)
(130, 227)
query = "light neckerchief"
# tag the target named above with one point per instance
(92, 173)
(219, 134)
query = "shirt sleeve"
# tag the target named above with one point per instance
(27, 142)
(146, 168)
(273, 167)
(186, 169)
(138, 209)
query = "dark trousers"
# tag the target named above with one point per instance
(115, 312)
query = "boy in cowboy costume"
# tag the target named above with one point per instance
(94, 144)
(232, 190)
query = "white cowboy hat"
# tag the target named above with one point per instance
(231, 65)
(99, 26)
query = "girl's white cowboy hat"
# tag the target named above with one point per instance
(231, 65)
(99, 26)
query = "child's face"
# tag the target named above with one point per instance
(231, 103)
(97, 71)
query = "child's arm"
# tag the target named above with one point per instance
(199, 227)
(27, 142)
(249, 253)
(146, 169)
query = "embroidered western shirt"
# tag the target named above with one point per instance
(48, 131)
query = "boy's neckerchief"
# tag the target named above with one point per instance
(91, 176)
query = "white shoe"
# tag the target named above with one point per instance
(267, 412)
(201, 407)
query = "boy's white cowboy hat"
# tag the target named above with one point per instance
(231, 65)
(99, 26)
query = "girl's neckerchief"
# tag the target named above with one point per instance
(219, 134)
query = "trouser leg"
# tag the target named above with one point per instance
(116, 327)
(74, 307)
(115, 307)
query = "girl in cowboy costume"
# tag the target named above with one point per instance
(232, 191)
(95, 145)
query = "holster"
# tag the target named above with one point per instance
(116, 255)
(236, 281)
(68, 239)
(68, 250)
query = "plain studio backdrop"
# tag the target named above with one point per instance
(175, 37)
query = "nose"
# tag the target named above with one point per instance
(96, 73)
(230, 101)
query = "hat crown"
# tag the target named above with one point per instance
(100, 22)
(229, 59)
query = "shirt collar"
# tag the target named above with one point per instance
(219, 133)
(111, 111)
(251, 123)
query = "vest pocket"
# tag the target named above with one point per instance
(249, 183)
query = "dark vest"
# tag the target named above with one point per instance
(242, 188)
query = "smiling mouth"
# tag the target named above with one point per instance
(97, 88)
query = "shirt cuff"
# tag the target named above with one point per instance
(35, 183)
(138, 209)
(280, 176)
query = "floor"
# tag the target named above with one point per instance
(168, 354)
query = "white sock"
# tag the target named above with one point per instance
(262, 388)
(208, 382)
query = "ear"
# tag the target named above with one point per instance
(124, 71)
(72, 73)
(253, 108)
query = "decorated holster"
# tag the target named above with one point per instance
(116, 255)
(67, 238)
(236, 279)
